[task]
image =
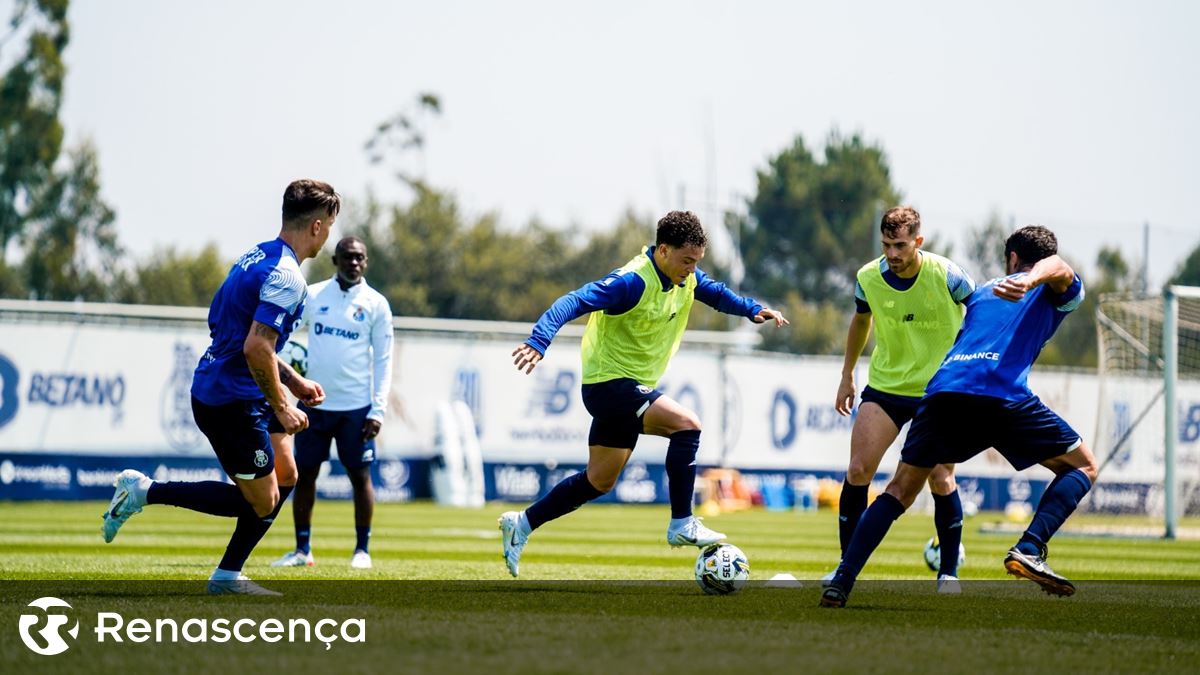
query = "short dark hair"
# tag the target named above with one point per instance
(680, 228)
(304, 198)
(1031, 243)
(900, 218)
(346, 241)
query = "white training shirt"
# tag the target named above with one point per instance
(349, 345)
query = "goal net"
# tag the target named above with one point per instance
(1147, 437)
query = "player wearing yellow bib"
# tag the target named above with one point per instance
(914, 299)
(638, 314)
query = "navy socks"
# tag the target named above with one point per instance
(362, 538)
(851, 505)
(1057, 504)
(248, 532)
(871, 530)
(947, 517)
(212, 497)
(681, 471)
(571, 493)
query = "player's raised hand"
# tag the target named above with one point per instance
(845, 397)
(309, 392)
(765, 314)
(526, 358)
(292, 418)
(1012, 288)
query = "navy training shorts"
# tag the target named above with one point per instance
(616, 407)
(900, 408)
(240, 435)
(326, 426)
(951, 428)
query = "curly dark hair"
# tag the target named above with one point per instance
(304, 198)
(900, 218)
(679, 229)
(1031, 243)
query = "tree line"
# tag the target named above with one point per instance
(811, 222)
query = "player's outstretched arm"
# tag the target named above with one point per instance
(856, 340)
(616, 293)
(259, 350)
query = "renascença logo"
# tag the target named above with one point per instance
(48, 640)
(51, 633)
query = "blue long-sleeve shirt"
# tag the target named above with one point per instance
(618, 293)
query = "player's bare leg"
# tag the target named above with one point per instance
(667, 418)
(1075, 472)
(872, 434)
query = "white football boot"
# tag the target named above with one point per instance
(514, 541)
(692, 533)
(240, 586)
(361, 560)
(948, 585)
(295, 559)
(129, 498)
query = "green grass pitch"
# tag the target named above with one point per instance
(439, 597)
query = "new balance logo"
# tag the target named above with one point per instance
(908, 317)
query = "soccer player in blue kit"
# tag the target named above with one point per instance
(238, 395)
(979, 398)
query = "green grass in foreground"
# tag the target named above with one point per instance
(49, 540)
(488, 622)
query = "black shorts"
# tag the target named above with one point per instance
(240, 435)
(616, 407)
(951, 428)
(900, 408)
(326, 426)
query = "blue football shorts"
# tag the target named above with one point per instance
(951, 428)
(240, 435)
(327, 426)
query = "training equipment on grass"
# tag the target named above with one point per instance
(295, 355)
(933, 554)
(722, 569)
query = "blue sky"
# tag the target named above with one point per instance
(1078, 115)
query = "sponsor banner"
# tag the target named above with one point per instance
(536, 417)
(76, 477)
(99, 389)
(123, 391)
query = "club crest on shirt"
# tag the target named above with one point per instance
(360, 314)
(260, 458)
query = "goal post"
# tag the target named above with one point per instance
(1148, 418)
(1171, 429)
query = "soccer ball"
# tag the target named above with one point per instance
(295, 355)
(933, 554)
(722, 569)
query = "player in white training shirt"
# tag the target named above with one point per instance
(350, 354)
